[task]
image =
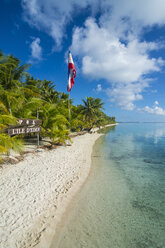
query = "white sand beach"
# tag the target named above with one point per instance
(35, 192)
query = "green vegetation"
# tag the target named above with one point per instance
(22, 96)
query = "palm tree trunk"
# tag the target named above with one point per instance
(10, 108)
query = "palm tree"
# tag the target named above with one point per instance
(7, 142)
(30, 108)
(32, 84)
(13, 100)
(54, 124)
(48, 92)
(11, 72)
(91, 109)
(76, 120)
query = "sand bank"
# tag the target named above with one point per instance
(35, 192)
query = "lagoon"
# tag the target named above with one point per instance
(122, 204)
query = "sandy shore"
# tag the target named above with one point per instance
(35, 192)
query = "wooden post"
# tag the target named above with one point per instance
(69, 110)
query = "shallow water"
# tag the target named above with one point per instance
(122, 204)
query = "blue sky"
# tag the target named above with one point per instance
(118, 47)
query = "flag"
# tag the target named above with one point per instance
(71, 72)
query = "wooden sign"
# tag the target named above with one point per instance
(16, 131)
(29, 122)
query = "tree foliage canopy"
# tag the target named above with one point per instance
(22, 96)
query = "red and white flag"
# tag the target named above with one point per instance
(71, 72)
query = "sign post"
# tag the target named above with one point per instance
(23, 130)
(25, 126)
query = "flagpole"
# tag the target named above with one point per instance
(69, 110)
(69, 96)
(38, 135)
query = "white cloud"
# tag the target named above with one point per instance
(99, 88)
(156, 110)
(126, 94)
(110, 47)
(52, 16)
(105, 56)
(154, 91)
(36, 50)
(156, 102)
(149, 13)
(124, 65)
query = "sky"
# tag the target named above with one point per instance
(118, 48)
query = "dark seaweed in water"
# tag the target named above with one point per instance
(156, 165)
(118, 158)
(147, 243)
(143, 207)
(152, 161)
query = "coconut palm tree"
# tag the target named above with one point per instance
(54, 124)
(48, 92)
(12, 99)
(7, 142)
(30, 108)
(91, 109)
(11, 72)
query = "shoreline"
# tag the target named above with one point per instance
(51, 232)
(56, 239)
(35, 193)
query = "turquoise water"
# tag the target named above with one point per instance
(122, 204)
